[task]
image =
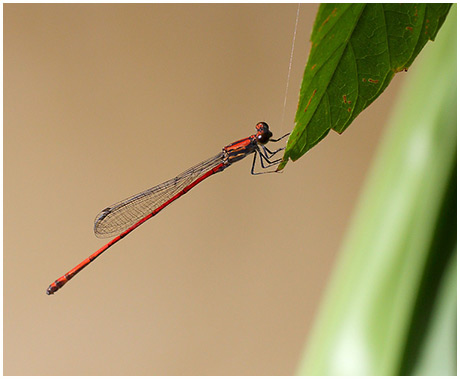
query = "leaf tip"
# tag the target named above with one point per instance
(283, 164)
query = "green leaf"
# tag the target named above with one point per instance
(356, 50)
(384, 311)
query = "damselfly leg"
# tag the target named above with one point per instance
(266, 155)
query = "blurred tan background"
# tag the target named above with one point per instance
(103, 101)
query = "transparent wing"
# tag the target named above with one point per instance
(122, 215)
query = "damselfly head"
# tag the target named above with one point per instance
(263, 134)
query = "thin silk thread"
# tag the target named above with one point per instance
(290, 67)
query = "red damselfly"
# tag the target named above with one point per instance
(123, 217)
